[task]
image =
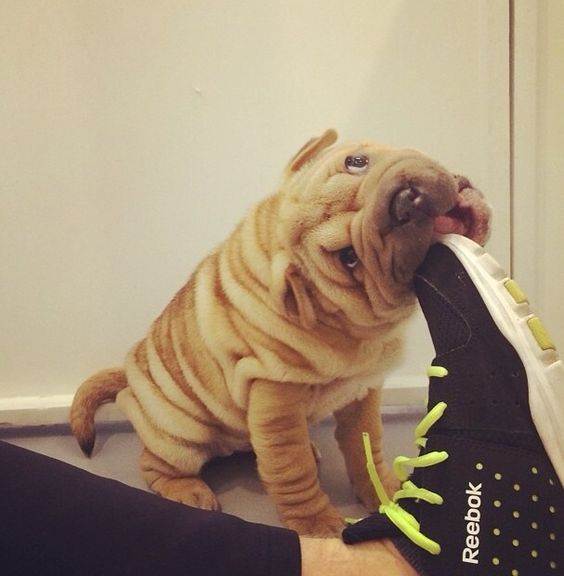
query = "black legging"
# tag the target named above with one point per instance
(59, 520)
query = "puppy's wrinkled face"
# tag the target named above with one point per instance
(357, 220)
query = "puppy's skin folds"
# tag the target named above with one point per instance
(295, 316)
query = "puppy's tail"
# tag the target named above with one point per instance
(97, 390)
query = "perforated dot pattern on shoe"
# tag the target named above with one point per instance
(524, 524)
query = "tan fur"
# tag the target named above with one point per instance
(100, 388)
(272, 332)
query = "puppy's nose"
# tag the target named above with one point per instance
(417, 202)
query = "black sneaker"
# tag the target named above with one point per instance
(486, 493)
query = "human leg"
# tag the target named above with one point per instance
(58, 519)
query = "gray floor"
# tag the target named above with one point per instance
(234, 479)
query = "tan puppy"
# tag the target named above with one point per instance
(295, 316)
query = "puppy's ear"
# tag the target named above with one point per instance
(290, 292)
(311, 149)
(297, 300)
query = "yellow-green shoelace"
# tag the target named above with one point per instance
(405, 521)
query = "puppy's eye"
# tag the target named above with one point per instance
(348, 257)
(356, 164)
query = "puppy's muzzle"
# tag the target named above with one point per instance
(417, 192)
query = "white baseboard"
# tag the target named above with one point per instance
(35, 411)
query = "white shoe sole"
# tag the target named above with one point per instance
(509, 307)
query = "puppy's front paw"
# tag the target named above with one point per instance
(326, 524)
(190, 491)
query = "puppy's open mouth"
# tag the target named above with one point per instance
(469, 217)
(459, 220)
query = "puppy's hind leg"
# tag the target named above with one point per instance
(168, 482)
(170, 465)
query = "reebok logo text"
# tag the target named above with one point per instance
(473, 516)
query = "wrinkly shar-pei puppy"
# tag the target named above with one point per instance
(295, 316)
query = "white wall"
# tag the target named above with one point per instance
(550, 168)
(134, 134)
(539, 163)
